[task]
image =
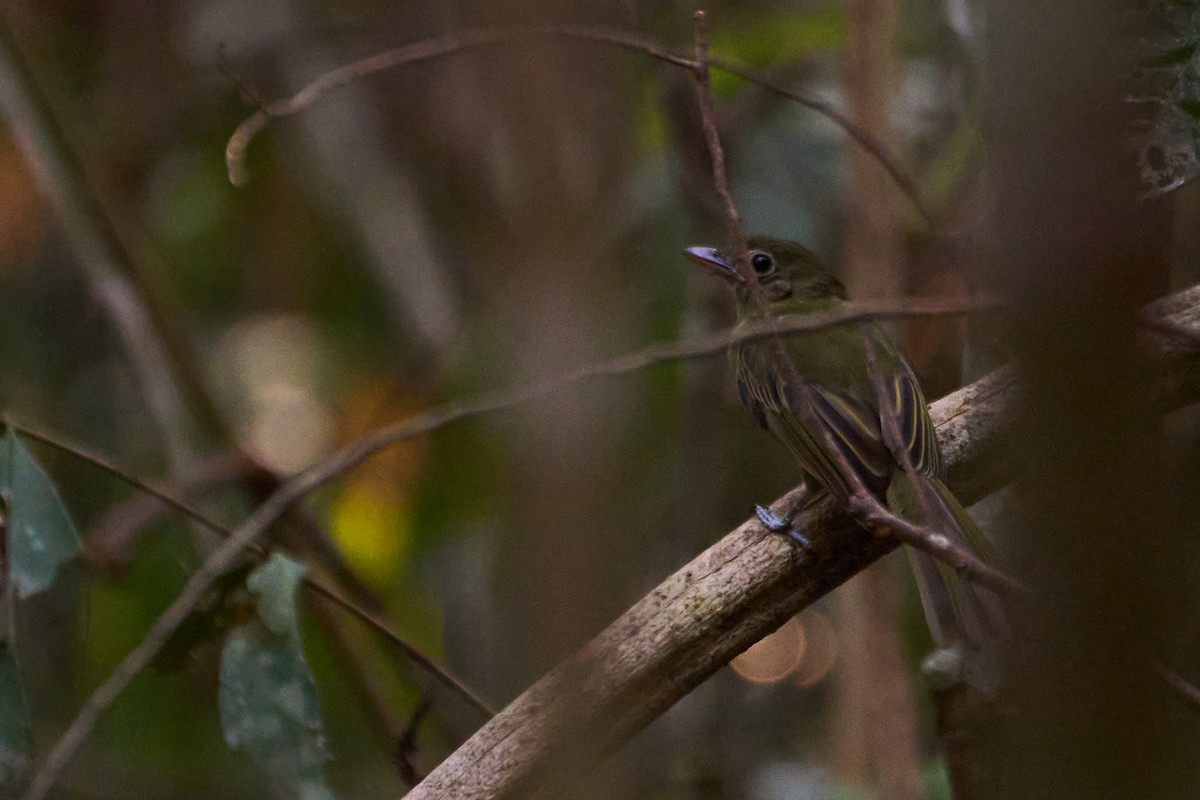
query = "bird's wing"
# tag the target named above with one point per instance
(847, 417)
(917, 436)
(838, 418)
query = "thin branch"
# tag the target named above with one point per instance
(866, 508)
(733, 219)
(860, 136)
(415, 53)
(507, 399)
(164, 496)
(363, 678)
(111, 539)
(193, 591)
(712, 137)
(235, 149)
(876, 517)
(440, 673)
(453, 43)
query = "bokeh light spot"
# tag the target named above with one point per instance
(775, 657)
(821, 652)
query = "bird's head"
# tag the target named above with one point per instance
(787, 272)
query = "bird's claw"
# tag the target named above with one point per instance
(774, 522)
(777, 524)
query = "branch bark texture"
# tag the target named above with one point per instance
(740, 589)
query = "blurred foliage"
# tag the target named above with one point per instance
(1167, 150)
(765, 40)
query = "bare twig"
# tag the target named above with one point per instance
(157, 347)
(193, 591)
(235, 149)
(507, 399)
(110, 540)
(712, 137)
(382, 626)
(450, 44)
(864, 507)
(347, 647)
(733, 219)
(313, 584)
(860, 136)
(164, 496)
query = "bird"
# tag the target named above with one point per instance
(836, 370)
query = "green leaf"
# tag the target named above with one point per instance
(267, 697)
(16, 737)
(41, 535)
(275, 584)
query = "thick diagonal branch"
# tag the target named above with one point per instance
(733, 594)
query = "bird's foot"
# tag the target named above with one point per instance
(778, 524)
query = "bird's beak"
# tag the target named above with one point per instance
(715, 261)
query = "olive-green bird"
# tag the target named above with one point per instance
(832, 366)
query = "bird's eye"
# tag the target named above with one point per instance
(762, 262)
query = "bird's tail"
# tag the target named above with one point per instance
(956, 609)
